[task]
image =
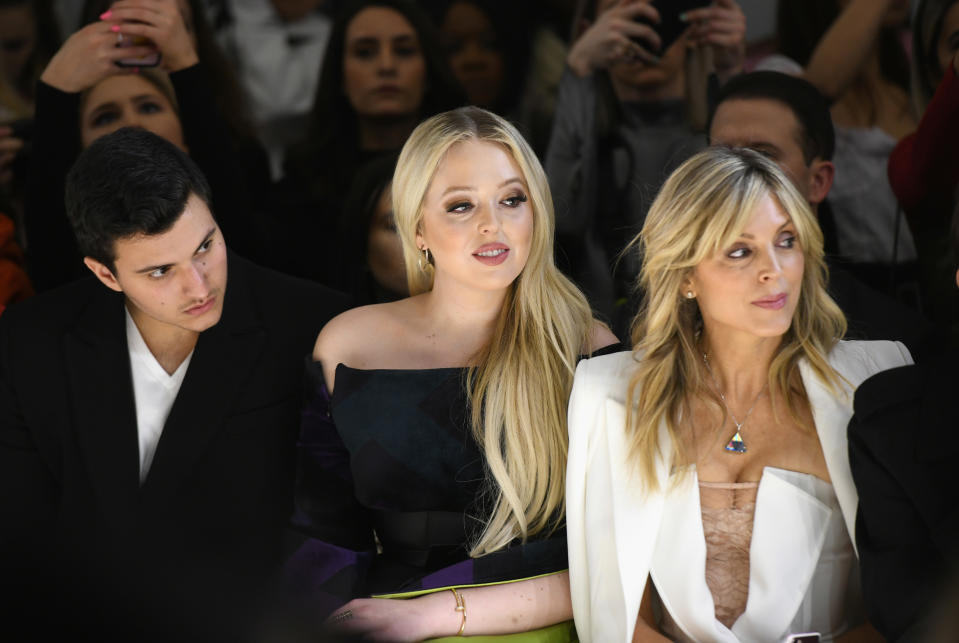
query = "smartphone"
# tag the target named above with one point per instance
(806, 637)
(670, 27)
(150, 60)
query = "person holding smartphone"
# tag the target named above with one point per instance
(624, 119)
(94, 62)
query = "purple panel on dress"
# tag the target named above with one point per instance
(459, 574)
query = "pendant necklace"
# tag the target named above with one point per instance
(736, 444)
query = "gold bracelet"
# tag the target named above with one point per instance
(460, 607)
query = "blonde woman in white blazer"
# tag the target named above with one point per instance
(709, 496)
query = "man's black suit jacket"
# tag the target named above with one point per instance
(209, 518)
(903, 449)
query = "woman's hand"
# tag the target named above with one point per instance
(87, 57)
(396, 620)
(161, 22)
(723, 27)
(9, 147)
(610, 39)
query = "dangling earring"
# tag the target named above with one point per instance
(426, 256)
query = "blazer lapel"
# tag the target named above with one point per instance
(831, 415)
(934, 489)
(634, 515)
(789, 530)
(104, 409)
(679, 565)
(222, 362)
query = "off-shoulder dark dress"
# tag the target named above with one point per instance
(392, 454)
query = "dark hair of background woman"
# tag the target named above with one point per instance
(330, 151)
(353, 272)
(47, 42)
(231, 103)
(512, 28)
(926, 30)
(801, 24)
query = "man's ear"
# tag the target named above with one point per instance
(821, 175)
(103, 273)
(957, 277)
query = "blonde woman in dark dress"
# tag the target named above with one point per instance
(447, 432)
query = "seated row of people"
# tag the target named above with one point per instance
(145, 426)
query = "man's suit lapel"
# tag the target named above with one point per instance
(222, 362)
(101, 387)
(938, 445)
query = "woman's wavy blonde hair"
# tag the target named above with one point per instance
(520, 383)
(702, 209)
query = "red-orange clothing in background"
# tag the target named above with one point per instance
(14, 283)
(924, 166)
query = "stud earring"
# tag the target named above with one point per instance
(689, 294)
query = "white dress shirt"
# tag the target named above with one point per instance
(154, 391)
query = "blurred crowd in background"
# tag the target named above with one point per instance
(296, 109)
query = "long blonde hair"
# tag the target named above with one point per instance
(703, 208)
(520, 385)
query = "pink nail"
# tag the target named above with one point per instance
(106, 14)
(115, 28)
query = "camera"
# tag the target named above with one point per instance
(670, 27)
(150, 60)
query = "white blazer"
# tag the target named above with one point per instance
(618, 534)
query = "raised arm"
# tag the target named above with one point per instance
(846, 47)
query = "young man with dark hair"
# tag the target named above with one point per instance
(147, 429)
(788, 120)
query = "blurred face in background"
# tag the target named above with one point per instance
(128, 101)
(948, 43)
(384, 72)
(384, 250)
(18, 39)
(770, 128)
(474, 54)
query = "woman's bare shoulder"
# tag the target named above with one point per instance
(358, 337)
(600, 336)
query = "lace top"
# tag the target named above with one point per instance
(728, 515)
(728, 510)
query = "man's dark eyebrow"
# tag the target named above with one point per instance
(206, 238)
(167, 265)
(152, 268)
(761, 146)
